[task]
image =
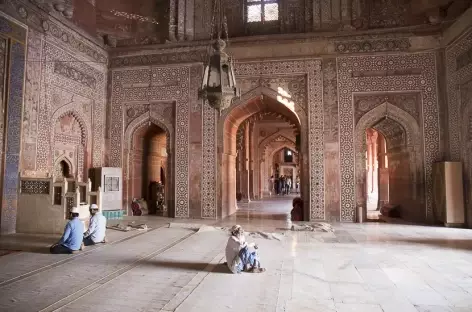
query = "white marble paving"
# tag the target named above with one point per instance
(360, 267)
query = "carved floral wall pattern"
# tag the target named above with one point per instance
(349, 85)
(71, 92)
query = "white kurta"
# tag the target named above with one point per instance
(233, 247)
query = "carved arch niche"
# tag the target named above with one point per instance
(70, 137)
(404, 150)
(160, 115)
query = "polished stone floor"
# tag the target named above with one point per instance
(360, 267)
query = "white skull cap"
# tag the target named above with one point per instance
(235, 228)
(93, 206)
(74, 210)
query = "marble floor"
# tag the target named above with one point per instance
(360, 267)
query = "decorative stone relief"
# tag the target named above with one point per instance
(179, 56)
(380, 45)
(34, 187)
(426, 82)
(209, 170)
(407, 101)
(82, 92)
(71, 73)
(294, 85)
(31, 102)
(142, 86)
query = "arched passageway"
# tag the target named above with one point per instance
(388, 166)
(250, 129)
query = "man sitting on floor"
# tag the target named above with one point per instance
(98, 225)
(71, 240)
(238, 256)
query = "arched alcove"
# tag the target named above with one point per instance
(406, 169)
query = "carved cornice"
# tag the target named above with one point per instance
(249, 41)
(160, 59)
(378, 45)
(64, 70)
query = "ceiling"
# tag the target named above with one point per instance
(112, 20)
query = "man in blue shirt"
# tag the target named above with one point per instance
(71, 240)
(97, 227)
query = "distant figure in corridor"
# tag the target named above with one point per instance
(97, 227)
(71, 240)
(271, 185)
(289, 185)
(238, 256)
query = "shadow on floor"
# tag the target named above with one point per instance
(187, 266)
(28, 243)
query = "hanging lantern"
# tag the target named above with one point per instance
(219, 83)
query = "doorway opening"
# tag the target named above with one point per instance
(377, 176)
(149, 168)
(255, 133)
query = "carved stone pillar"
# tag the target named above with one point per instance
(383, 176)
(245, 167)
(252, 161)
(172, 20)
(346, 12)
(375, 153)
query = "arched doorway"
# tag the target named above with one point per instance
(149, 167)
(404, 161)
(377, 175)
(229, 123)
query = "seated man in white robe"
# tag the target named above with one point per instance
(97, 228)
(239, 257)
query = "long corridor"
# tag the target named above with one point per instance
(176, 267)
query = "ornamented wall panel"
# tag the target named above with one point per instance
(145, 85)
(370, 74)
(16, 52)
(459, 91)
(59, 83)
(31, 101)
(331, 140)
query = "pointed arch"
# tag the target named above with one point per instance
(142, 121)
(412, 141)
(83, 149)
(67, 161)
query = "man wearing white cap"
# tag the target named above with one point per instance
(97, 227)
(71, 240)
(239, 256)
